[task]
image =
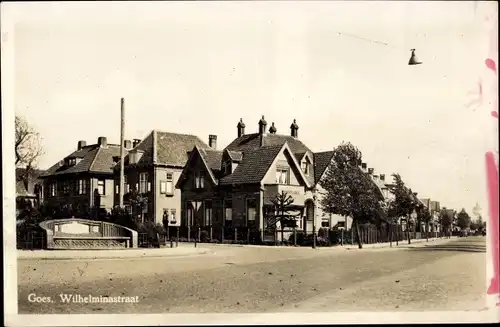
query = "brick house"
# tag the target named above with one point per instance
(151, 168)
(234, 187)
(83, 180)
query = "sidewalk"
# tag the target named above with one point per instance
(181, 251)
(402, 244)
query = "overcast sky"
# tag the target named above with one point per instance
(198, 68)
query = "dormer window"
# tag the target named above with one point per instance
(305, 166)
(227, 167)
(71, 161)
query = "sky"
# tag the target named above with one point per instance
(338, 68)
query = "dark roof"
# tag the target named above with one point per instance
(252, 142)
(26, 181)
(172, 148)
(254, 166)
(167, 148)
(94, 159)
(321, 162)
(213, 158)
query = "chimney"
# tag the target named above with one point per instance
(375, 177)
(272, 129)
(370, 171)
(212, 141)
(241, 128)
(81, 144)
(127, 144)
(102, 141)
(294, 129)
(363, 167)
(382, 177)
(262, 126)
(136, 142)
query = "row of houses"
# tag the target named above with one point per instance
(190, 182)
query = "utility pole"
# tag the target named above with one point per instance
(122, 152)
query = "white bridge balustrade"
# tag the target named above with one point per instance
(75, 233)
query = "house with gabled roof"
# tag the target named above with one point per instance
(152, 168)
(235, 187)
(83, 180)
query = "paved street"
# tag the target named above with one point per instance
(443, 276)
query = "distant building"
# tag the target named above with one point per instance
(434, 209)
(82, 183)
(28, 188)
(152, 167)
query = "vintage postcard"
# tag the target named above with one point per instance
(249, 162)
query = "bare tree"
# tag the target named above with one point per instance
(28, 147)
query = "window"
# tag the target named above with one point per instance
(101, 187)
(128, 208)
(170, 183)
(53, 189)
(198, 180)
(282, 176)
(126, 186)
(143, 183)
(251, 212)
(305, 167)
(325, 223)
(208, 213)
(82, 186)
(228, 212)
(66, 188)
(117, 189)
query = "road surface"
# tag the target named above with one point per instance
(447, 276)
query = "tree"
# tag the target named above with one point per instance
(463, 220)
(404, 202)
(446, 217)
(424, 215)
(348, 191)
(282, 203)
(27, 147)
(138, 201)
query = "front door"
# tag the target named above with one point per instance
(308, 226)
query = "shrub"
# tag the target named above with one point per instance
(323, 232)
(204, 236)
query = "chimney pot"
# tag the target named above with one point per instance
(272, 129)
(81, 144)
(262, 126)
(382, 177)
(241, 128)
(102, 141)
(294, 128)
(212, 141)
(370, 171)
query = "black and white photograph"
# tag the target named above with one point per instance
(249, 162)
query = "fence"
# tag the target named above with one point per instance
(245, 235)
